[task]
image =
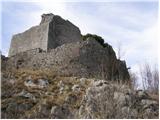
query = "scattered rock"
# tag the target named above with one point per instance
(82, 81)
(127, 112)
(148, 103)
(61, 84)
(56, 112)
(70, 99)
(40, 83)
(120, 98)
(43, 83)
(60, 112)
(49, 93)
(76, 88)
(12, 81)
(43, 110)
(99, 83)
(142, 94)
(26, 94)
(61, 90)
(15, 109)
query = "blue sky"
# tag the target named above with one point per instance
(133, 24)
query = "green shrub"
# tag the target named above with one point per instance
(96, 37)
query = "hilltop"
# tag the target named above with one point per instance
(53, 71)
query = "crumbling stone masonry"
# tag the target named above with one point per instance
(53, 31)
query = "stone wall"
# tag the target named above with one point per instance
(35, 37)
(61, 32)
(57, 44)
(52, 32)
(85, 59)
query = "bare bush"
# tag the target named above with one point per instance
(133, 80)
(155, 76)
(150, 78)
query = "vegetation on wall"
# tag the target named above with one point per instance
(99, 39)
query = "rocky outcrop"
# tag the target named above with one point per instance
(53, 31)
(71, 97)
(104, 100)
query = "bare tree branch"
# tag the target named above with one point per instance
(150, 78)
(120, 50)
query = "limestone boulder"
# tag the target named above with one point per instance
(40, 83)
(108, 101)
(26, 94)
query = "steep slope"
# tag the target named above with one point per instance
(43, 94)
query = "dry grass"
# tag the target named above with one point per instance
(53, 96)
(154, 97)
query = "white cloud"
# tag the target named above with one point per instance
(144, 46)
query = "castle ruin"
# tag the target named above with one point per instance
(57, 44)
(53, 31)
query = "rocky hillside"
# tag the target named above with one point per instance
(55, 72)
(42, 94)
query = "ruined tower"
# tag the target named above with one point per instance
(53, 31)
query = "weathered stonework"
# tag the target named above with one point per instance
(56, 44)
(53, 31)
(86, 59)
